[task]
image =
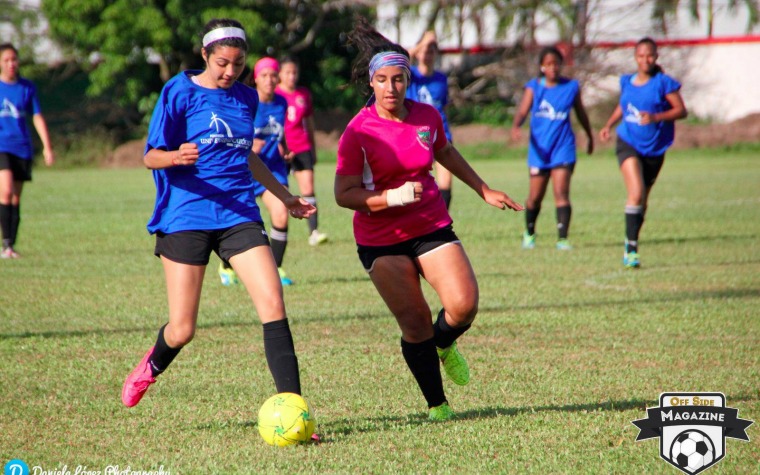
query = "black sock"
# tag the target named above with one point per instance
(422, 360)
(446, 195)
(226, 264)
(279, 241)
(5, 224)
(15, 221)
(531, 216)
(281, 356)
(634, 218)
(163, 354)
(313, 220)
(563, 220)
(445, 334)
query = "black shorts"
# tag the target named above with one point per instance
(21, 168)
(303, 161)
(413, 248)
(194, 247)
(650, 165)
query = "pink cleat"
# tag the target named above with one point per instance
(138, 382)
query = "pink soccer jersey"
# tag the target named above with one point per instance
(386, 154)
(299, 110)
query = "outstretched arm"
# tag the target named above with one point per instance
(47, 150)
(453, 161)
(297, 206)
(521, 114)
(604, 132)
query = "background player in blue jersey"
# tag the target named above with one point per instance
(199, 148)
(431, 87)
(18, 102)
(269, 144)
(549, 98)
(650, 102)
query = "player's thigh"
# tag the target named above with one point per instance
(305, 180)
(278, 212)
(257, 270)
(449, 271)
(397, 280)
(183, 289)
(633, 179)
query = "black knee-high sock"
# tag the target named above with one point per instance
(279, 241)
(563, 220)
(445, 334)
(446, 195)
(281, 356)
(163, 354)
(531, 216)
(634, 218)
(422, 360)
(313, 220)
(5, 224)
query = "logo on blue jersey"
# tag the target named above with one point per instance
(10, 110)
(218, 125)
(546, 111)
(423, 95)
(273, 128)
(632, 114)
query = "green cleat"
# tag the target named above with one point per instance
(564, 245)
(528, 240)
(631, 260)
(227, 276)
(454, 364)
(441, 413)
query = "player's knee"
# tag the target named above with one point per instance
(181, 335)
(463, 309)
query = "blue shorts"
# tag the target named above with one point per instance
(563, 156)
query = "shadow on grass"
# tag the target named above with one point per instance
(330, 430)
(721, 294)
(675, 240)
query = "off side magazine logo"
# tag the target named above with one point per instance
(692, 428)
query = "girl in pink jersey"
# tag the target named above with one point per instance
(401, 224)
(299, 134)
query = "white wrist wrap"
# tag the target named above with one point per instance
(400, 196)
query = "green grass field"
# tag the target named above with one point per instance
(567, 350)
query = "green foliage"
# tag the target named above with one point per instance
(497, 113)
(567, 349)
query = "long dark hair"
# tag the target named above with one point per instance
(231, 42)
(656, 68)
(546, 52)
(368, 41)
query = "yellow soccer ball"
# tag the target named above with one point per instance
(285, 419)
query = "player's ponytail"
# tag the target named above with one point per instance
(368, 42)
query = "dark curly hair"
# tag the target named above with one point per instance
(368, 42)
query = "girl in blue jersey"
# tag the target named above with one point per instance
(199, 148)
(18, 101)
(269, 144)
(431, 87)
(549, 99)
(650, 102)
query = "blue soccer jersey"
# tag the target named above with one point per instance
(652, 139)
(269, 126)
(217, 191)
(18, 103)
(552, 141)
(433, 90)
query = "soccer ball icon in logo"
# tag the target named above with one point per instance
(285, 419)
(692, 450)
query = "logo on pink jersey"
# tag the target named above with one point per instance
(423, 137)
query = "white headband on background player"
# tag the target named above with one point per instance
(222, 33)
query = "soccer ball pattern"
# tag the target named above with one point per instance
(284, 419)
(692, 450)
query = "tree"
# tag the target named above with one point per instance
(663, 10)
(130, 47)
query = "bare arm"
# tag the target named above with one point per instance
(521, 113)
(298, 207)
(312, 141)
(453, 161)
(156, 159)
(677, 110)
(604, 132)
(47, 150)
(349, 193)
(580, 112)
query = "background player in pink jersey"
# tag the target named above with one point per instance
(299, 134)
(401, 224)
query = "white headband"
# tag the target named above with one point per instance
(222, 33)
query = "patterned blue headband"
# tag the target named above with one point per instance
(388, 58)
